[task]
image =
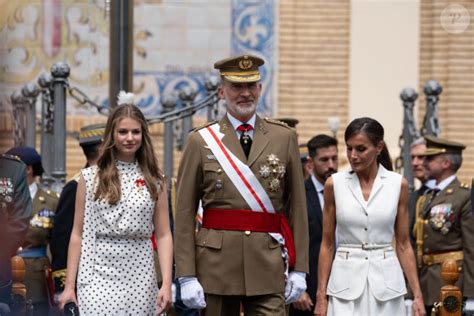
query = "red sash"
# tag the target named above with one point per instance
(247, 220)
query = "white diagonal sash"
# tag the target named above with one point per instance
(239, 173)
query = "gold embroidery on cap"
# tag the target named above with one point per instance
(245, 63)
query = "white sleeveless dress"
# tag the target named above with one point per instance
(366, 277)
(116, 271)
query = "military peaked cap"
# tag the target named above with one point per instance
(436, 146)
(243, 68)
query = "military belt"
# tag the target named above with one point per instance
(439, 258)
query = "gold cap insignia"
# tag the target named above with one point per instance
(245, 63)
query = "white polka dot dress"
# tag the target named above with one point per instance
(116, 270)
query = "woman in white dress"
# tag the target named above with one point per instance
(369, 204)
(119, 203)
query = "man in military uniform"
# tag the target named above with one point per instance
(15, 213)
(33, 249)
(90, 139)
(445, 224)
(246, 171)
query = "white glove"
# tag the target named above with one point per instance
(409, 307)
(192, 293)
(173, 292)
(295, 286)
(469, 305)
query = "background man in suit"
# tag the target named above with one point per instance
(15, 213)
(323, 157)
(90, 139)
(240, 265)
(445, 223)
(33, 249)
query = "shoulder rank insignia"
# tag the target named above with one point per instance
(465, 186)
(204, 125)
(277, 122)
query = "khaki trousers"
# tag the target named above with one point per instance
(229, 305)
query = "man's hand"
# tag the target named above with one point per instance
(304, 303)
(295, 286)
(192, 293)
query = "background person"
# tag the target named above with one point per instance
(90, 140)
(445, 223)
(15, 214)
(33, 249)
(323, 157)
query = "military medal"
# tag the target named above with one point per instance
(273, 171)
(6, 190)
(441, 217)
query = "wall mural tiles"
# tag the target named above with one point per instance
(175, 45)
(253, 32)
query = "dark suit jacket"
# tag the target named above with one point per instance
(315, 220)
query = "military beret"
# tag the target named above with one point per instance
(291, 122)
(91, 134)
(436, 146)
(243, 68)
(28, 155)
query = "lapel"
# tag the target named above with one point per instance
(260, 140)
(354, 186)
(230, 139)
(441, 197)
(314, 208)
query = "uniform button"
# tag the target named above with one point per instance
(365, 228)
(247, 232)
(219, 171)
(366, 258)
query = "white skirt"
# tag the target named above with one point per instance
(124, 279)
(366, 305)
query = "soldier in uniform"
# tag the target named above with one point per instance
(15, 213)
(445, 224)
(33, 249)
(247, 172)
(90, 139)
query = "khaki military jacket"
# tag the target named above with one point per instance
(235, 262)
(448, 225)
(38, 235)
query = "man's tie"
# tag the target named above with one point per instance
(245, 139)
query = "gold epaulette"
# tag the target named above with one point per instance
(204, 125)
(465, 186)
(277, 122)
(12, 157)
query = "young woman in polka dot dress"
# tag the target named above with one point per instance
(118, 205)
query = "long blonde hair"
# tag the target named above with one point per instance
(108, 186)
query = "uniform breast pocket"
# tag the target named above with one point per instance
(216, 182)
